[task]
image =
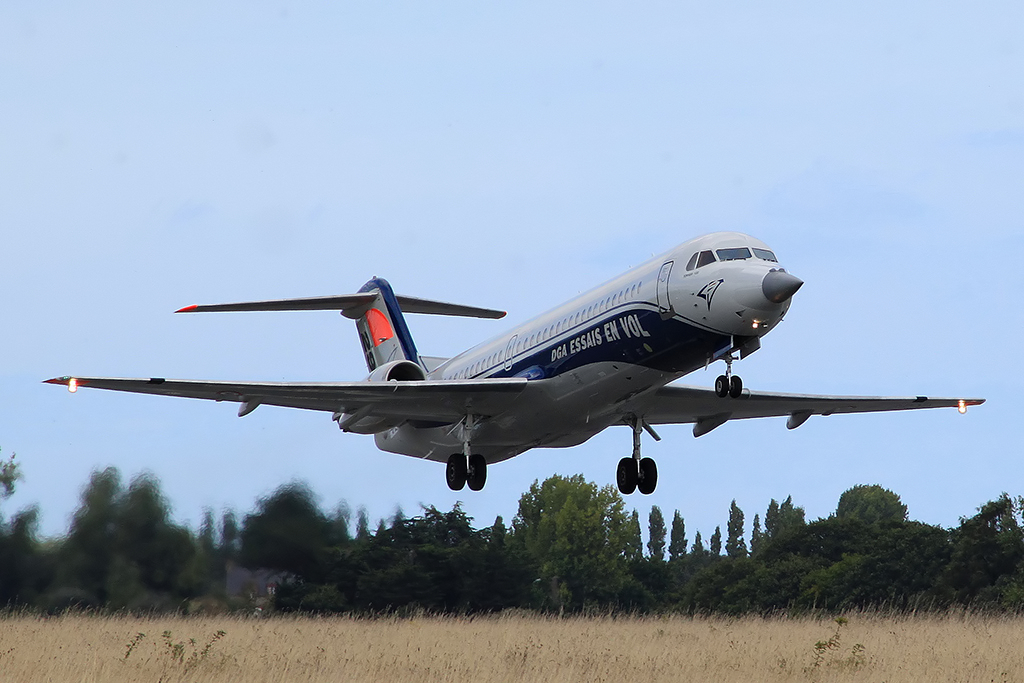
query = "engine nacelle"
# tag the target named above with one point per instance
(395, 371)
(398, 371)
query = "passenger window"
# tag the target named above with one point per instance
(692, 263)
(733, 254)
(705, 257)
(765, 254)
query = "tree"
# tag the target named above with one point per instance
(988, 548)
(656, 531)
(634, 549)
(871, 504)
(781, 519)
(123, 550)
(576, 534)
(677, 545)
(287, 532)
(698, 551)
(756, 536)
(10, 473)
(735, 545)
(715, 545)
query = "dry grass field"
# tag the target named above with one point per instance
(932, 649)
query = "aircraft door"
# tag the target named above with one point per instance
(510, 351)
(664, 304)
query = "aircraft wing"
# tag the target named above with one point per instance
(678, 404)
(441, 401)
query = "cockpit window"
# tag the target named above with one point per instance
(692, 263)
(733, 254)
(765, 254)
(706, 257)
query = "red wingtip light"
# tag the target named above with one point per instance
(72, 385)
(187, 308)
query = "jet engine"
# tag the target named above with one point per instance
(361, 422)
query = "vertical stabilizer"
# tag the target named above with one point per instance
(383, 332)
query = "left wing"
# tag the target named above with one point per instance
(677, 404)
(441, 401)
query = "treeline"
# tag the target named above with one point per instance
(572, 546)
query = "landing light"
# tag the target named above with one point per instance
(73, 385)
(962, 407)
(756, 324)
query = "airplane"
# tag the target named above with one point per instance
(607, 357)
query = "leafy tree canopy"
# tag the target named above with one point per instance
(871, 504)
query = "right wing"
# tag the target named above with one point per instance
(676, 404)
(439, 401)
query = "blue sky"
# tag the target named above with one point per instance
(505, 155)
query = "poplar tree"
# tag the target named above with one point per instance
(735, 545)
(756, 536)
(698, 550)
(677, 545)
(656, 529)
(715, 545)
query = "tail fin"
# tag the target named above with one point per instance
(377, 311)
(382, 330)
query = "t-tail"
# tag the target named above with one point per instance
(383, 333)
(377, 311)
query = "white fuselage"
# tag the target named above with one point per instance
(600, 354)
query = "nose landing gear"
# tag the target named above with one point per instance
(728, 384)
(636, 473)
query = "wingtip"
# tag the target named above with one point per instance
(187, 309)
(57, 380)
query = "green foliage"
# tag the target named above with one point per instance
(123, 551)
(782, 519)
(735, 545)
(677, 543)
(287, 533)
(871, 505)
(827, 652)
(987, 555)
(577, 534)
(571, 546)
(756, 536)
(10, 473)
(656, 535)
(715, 544)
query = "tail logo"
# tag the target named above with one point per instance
(380, 328)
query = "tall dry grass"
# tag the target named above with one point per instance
(926, 648)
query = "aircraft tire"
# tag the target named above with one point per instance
(456, 472)
(626, 475)
(736, 387)
(477, 473)
(722, 386)
(648, 476)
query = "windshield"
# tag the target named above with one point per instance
(732, 254)
(765, 254)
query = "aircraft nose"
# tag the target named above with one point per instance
(778, 286)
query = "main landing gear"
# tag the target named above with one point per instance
(466, 467)
(636, 473)
(729, 384)
(464, 470)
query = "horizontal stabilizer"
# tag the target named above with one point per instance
(346, 303)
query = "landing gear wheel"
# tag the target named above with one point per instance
(477, 473)
(626, 475)
(722, 386)
(456, 472)
(648, 476)
(735, 386)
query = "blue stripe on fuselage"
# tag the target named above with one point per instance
(633, 333)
